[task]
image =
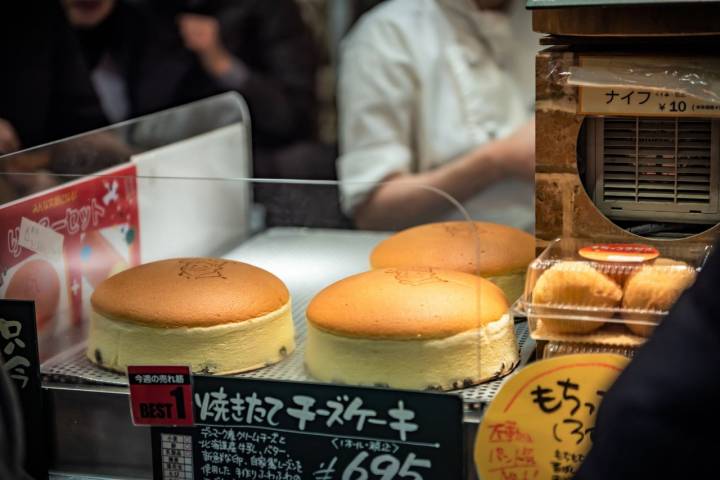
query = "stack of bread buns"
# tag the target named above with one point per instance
(581, 287)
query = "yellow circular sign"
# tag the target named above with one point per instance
(539, 427)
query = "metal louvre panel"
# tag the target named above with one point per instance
(658, 160)
(619, 159)
(693, 161)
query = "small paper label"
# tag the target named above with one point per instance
(40, 239)
(637, 100)
(161, 395)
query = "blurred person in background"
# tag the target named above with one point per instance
(136, 59)
(148, 56)
(438, 93)
(264, 51)
(45, 92)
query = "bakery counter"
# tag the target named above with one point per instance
(63, 476)
(89, 406)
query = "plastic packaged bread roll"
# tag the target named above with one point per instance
(575, 284)
(653, 289)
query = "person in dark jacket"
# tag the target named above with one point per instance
(264, 51)
(148, 56)
(137, 61)
(45, 90)
(659, 420)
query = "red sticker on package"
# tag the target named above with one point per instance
(620, 252)
(161, 395)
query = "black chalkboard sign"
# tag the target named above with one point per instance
(295, 431)
(19, 351)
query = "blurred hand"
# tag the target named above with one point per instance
(9, 141)
(518, 151)
(201, 33)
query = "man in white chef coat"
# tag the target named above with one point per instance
(438, 93)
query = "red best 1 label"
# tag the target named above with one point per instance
(161, 395)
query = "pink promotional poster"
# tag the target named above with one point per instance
(56, 246)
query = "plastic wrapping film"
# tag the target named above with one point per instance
(692, 80)
(613, 294)
(680, 76)
(695, 78)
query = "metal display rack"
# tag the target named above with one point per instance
(284, 248)
(86, 398)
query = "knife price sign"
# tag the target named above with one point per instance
(261, 429)
(161, 395)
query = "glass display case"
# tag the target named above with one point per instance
(178, 185)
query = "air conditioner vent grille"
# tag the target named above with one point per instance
(657, 160)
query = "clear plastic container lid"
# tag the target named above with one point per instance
(579, 290)
(556, 349)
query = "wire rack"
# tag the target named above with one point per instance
(307, 260)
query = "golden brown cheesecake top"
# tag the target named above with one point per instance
(190, 292)
(473, 247)
(406, 304)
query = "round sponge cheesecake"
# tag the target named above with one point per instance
(217, 316)
(496, 252)
(415, 328)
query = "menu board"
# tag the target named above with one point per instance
(259, 429)
(19, 355)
